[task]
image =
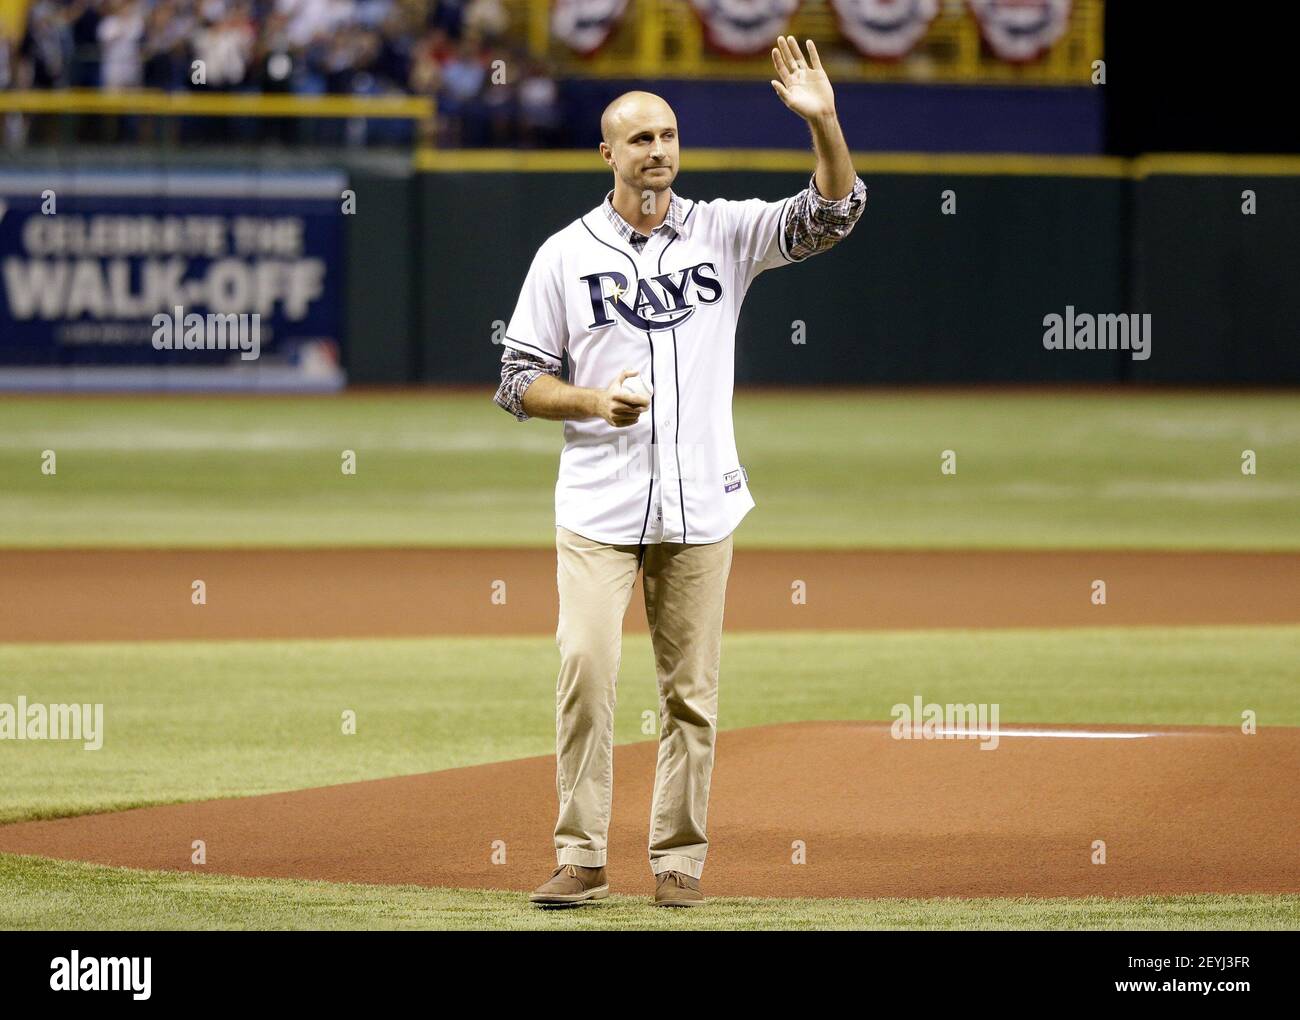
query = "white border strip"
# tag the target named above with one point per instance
(170, 378)
(188, 183)
(1058, 734)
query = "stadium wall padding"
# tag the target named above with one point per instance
(914, 296)
(1220, 285)
(383, 245)
(436, 259)
(911, 295)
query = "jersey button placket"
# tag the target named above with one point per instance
(666, 397)
(665, 420)
(656, 452)
(655, 528)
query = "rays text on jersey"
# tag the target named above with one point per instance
(661, 302)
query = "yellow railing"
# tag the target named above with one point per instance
(664, 39)
(870, 164)
(431, 160)
(152, 102)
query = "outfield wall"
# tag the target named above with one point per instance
(911, 296)
(436, 252)
(917, 296)
(1220, 285)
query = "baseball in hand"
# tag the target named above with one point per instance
(638, 386)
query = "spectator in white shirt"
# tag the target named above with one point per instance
(226, 48)
(120, 35)
(309, 20)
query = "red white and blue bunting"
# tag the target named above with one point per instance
(884, 29)
(586, 25)
(1014, 30)
(1021, 30)
(742, 28)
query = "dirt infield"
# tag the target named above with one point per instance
(1179, 809)
(86, 595)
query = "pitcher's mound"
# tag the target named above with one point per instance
(1172, 809)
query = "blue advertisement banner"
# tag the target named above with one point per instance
(222, 279)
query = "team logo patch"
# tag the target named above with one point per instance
(731, 481)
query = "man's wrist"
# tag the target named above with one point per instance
(825, 121)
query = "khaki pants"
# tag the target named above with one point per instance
(685, 586)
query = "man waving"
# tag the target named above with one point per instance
(641, 296)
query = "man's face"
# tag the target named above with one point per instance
(643, 146)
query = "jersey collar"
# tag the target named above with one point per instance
(677, 219)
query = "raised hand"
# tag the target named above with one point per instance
(803, 87)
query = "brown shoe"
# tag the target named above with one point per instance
(674, 889)
(571, 883)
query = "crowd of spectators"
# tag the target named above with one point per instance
(488, 92)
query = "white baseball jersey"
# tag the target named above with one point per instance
(669, 313)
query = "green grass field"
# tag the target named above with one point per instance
(188, 720)
(52, 895)
(1033, 471)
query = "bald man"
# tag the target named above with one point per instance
(641, 296)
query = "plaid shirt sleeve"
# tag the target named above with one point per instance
(518, 372)
(814, 224)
